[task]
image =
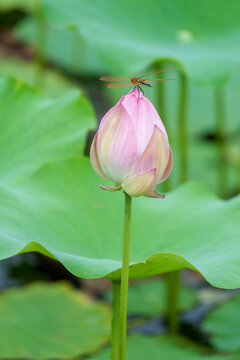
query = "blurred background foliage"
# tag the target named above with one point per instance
(52, 53)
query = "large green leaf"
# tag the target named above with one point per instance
(51, 321)
(201, 36)
(224, 325)
(52, 82)
(162, 347)
(62, 209)
(36, 130)
(147, 298)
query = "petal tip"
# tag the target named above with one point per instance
(156, 195)
(110, 188)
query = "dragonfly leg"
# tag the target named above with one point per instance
(140, 89)
(133, 89)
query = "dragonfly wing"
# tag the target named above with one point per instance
(156, 80)
(140, 77)
(120, 85)
(114, 78)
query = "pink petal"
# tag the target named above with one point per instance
(117, 144)
(168, 169)
(137, 108)
(110, 188)
(94, 158)
(144, 117)
(140, 184)
(156, 154)
(156, 118)
(130, 102)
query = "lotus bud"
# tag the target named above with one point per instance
(131, 147)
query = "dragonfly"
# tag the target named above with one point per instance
(127, 81)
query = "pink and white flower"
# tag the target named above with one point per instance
(131, 147)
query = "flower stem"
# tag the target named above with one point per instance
(182, 129)
(124, 276)
(220, 111)
(173, 287)
(115, 319)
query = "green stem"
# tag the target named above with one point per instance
(161, 108)
(173, 278)
(182, 129)
(115, 319)
(238, 179)
(124, 276)
(173, 284)
(220, 112)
